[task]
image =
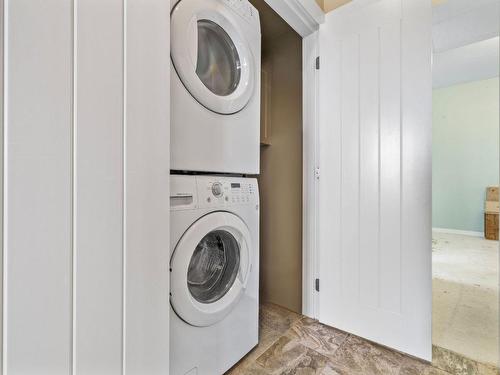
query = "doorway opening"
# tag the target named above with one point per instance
(465, 182)
(280, 179)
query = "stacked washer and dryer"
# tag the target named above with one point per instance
(215, 124)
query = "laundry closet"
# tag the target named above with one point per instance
(159, 273)
(280, 179)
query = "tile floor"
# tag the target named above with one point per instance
(293, 344)
(465, 296)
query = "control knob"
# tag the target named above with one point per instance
(217, 189)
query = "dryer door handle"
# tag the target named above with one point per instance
(245, 278)
(193, 41)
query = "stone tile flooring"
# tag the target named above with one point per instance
(293, 344)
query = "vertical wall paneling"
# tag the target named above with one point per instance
(147, 134)
(2, 97)
(38, 194)
(98, 193)
(86, 186)
(375, 124)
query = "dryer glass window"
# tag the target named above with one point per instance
(214, 266)
(218, 64)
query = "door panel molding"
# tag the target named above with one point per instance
(375, 202)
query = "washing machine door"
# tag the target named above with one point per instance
(211, 56)
(210, 268)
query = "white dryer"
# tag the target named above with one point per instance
(215, 86)
(214, 272)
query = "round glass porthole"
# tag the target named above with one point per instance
(218, 64)
(214, 266)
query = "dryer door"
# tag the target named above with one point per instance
(211, 56)
(210, 268)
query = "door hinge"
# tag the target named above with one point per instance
(317, 173)
(316, 285)
(317, 63)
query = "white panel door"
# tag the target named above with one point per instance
(98, 187)
(38, 192)
(375, 187)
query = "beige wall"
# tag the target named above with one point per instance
(281, 177)
(329, 5)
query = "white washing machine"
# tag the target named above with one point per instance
(215, 86)
(214, 272)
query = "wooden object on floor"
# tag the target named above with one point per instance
(492, 193)
(491, 225)
(491, 212)
(491, 207)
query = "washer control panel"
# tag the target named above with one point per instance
(215, 191)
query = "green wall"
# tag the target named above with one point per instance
(465, 152)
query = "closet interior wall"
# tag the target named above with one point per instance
(280, 179)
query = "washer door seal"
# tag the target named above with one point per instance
(210, 268)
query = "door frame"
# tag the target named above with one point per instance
(311, 174)
(305, 17)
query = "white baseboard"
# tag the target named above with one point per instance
(458, 231)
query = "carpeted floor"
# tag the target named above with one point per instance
(465, 296)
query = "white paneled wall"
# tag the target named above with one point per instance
(147, 200)
(85, 171)
(1, 171)
(98, 193)
(38, 187)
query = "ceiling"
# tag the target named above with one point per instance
(465, 40)
(464, 37)
(473, 62)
